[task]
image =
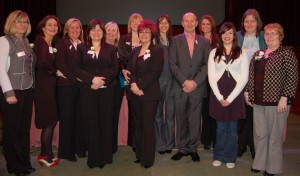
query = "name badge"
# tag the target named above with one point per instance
(90, 52)
(20, 54)
(50, 50)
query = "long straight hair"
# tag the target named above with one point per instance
(235, 49)
(160, 18)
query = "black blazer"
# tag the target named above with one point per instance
(124, 50)
(65, 57)
(147, 78)
(89, 65)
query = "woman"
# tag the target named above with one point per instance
(16, 97)
(165, 115)
(46, 114)
(272, 86)
(71, 139)
(126, 45)
(251, 39)
(98, 70)
(208, 29)
(113, 37)
(227, 74)
(145, 65)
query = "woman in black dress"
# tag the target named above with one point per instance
(46, 115)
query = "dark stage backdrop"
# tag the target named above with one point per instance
(120, 10)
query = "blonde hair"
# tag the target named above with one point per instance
(9, 27)
(132, 17)
(112, 24)
(277, 27)
(69, 24)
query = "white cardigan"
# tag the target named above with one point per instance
(239, 70)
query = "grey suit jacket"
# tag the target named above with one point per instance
(183, 67)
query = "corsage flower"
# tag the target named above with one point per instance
(147, 54)
(54, 50)
(92, 52)
(260, 55)
(31, 45)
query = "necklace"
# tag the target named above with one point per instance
(227, 60)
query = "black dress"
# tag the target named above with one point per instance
(236, 110)
(45, 89)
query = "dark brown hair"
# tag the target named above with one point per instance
(92, 24)
(160, 18)
(235, 49)
(42, 24)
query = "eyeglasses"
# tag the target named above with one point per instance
(144, 32)
(136, 21)
(271, 34)
(19, 22)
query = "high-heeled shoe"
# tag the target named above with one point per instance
(47, 161)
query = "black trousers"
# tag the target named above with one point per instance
(97, 112)
(209, 125)
(71, 138)
(143, 112)
(245, 129)
(16, 130)
(119, 92)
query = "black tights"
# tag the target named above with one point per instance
(46, 141)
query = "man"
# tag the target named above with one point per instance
(189, 54)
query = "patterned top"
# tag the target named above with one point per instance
(281, 76)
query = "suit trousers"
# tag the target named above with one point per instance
(165, 119)
(268, 138)
(143, 112)
(118, 96)
(188, 112)
(16, 129)
(97, 112)
(209, 125)
(71, 138)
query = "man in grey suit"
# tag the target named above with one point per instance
(189, 54)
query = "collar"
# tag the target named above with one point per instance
(190, 36)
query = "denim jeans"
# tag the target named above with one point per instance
(226, 147)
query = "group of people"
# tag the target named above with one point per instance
(240, 83)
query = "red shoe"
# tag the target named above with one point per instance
(44, 160)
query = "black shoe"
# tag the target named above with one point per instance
(206, 147)
(31, 169)
(195, 156)
(137, 161)
(81, 155)
(72, 159)
(252, 153)
(168, 151)
(161, 152)
(147, 166)
(178, 156)
(22, 174)
(241, 151)
(101, 166)
(133, 149)
(254, 170)
(268, 174)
